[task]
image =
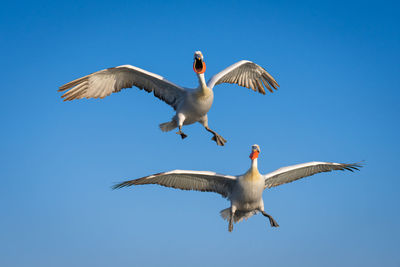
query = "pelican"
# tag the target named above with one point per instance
(191, 105)
(244, 191)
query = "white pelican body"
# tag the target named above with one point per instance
(247, 193)
(244, 191)
(195, 105)
(191, 105)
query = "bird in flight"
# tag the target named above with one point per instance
(244, 191)
(191, 105)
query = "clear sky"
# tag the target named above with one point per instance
(338, 66)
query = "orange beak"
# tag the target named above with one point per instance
(254, 154)
(199, 71)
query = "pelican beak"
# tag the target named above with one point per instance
(199, 66)
(254, 154)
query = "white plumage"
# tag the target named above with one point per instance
(244, 191)
(191, 105)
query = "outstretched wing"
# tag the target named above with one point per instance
(292, 173)
(104, 82)
(187, 180)
(247, 74)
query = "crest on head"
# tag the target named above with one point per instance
(256, 147)
(199, 55)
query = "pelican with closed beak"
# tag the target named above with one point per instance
(244, 191)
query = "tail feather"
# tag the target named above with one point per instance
(226, 213)
(239, 215)
(168, 126)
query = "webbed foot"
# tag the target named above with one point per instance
(183, 136)
(271, 220)
(219, 139)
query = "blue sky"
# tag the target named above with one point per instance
(338, 66)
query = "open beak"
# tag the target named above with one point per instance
(199, 66)
(254, 154)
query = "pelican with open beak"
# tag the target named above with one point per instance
(191, 105)
(199, 66)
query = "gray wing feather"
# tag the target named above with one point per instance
(247, 74)
(102, 83)
(292, 173)
(187, 180)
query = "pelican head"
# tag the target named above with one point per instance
(255, 150)
(199, 66)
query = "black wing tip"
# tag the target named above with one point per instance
(129, 183)
(354, 166)
(116, 186)
(121, 185)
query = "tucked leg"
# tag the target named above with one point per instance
(271, 220)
